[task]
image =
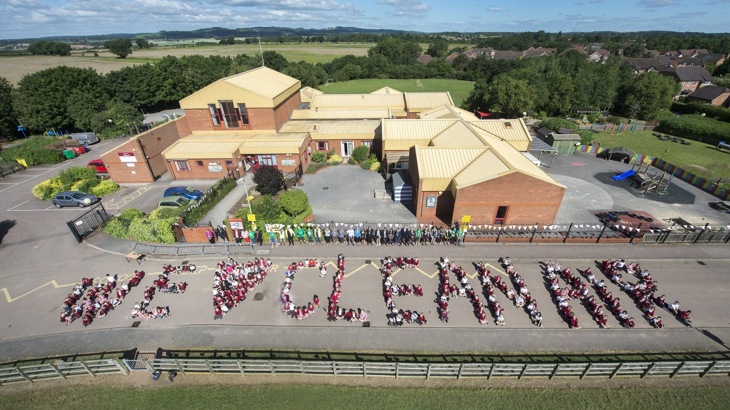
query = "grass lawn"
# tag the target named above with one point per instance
(699, 158)
(459, 89)
(347, 397)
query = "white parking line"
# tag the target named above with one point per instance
(35, 176)
(18, 205)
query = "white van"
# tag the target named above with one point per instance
(85, 138)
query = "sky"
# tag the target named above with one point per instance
(42, 18)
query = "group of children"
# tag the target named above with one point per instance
(96, 300)
(232, 281)
(397, 317)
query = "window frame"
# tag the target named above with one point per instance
(243, 114)
(215, 116)
(230, 115)
(182, 165)
(319, 146)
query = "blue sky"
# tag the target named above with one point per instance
(40, 18)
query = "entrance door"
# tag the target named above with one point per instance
(347, 147)
(501, 215)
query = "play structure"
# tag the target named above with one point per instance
(647, 181)
(722, 145)
(624, 175)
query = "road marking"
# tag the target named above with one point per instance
(36, 176)
(18, 205)
(53, 283)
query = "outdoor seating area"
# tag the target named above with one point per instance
(679, 140)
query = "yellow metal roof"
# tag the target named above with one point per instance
(258, 88)
(307, 93)
(274, 144)
(373, 113)
(427, 101)
(435, 162)
(446, 111)
(334, 129)
(404, 129)
(457, 135)
(386, 90)
(189, 149)
(506, 129)
(518, 162)
(357, 101)
(485, 167)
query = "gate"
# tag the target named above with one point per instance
(89, 223)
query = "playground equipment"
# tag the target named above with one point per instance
(646, 181)
(722, 145)
(624, 175)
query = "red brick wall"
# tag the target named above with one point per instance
(336, 144)
(282, 113)
(197, 235)
(259, 118)
(120, 172)
(201, 171)
(530, 200)
(157, 140)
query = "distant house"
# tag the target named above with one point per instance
(691, 78)
(598, 56)
(712, 94)
(424, 58)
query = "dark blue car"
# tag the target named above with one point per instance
(187, 192)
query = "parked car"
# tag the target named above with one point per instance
(74, 198)
(173, 202)
(187, 192)
(98, 166)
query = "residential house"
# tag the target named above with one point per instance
(712, 95)
(691, 78)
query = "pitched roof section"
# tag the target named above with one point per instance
(689, 73)
(709, 92)
(416, 102)
(364, 114)
(386, 90)
(485, 167)
(446, 111)
(333, 129)
(184, 150)
(413, 129)
(357, 101)
(258, 88)
(457, 135)
(307, 93)
(444, 163)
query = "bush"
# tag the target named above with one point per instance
(718, 113)
(269, 180)
(117, 227)
(164, 213)
(131, 214)
(351, 161)
(34, 152)
(47, 189)
(360, 153)
(319, 157)
(84, 185)
(105, 188)
(696, 127)
(586, 137)
(556, 123)
(314, 167)
(193, 214)
(375, 166)
(72, 175)
(266, 208)
(334, 159)
(366, 164)
(151, 230)
(294, 202)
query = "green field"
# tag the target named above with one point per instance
(459, 89)
(165, 396)
(699, 158)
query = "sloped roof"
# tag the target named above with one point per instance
(185, 149)
(307, 93)
(368, 113)
(506, 129)
(273, 143)
(485, 167)
(709, 92)
(690, 73)
(412, 129)
(386, 90)
(357, 101)
(446, 111)
(427, 100)
(444, 163)
(319, 129)
(262, 81)
(457, 135)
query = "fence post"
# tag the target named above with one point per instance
(567, 234)
(177, 362)
(585, 372)
(334, 368)
(533, 233)
(633, 235)
(22, 373)
(703, 231)
(618, 368)
(87, 369)
(121, 366)
(58, 372)
(397, 369)
(499, 233)
(428, 370)
(461, 367)
(674, 373)
(240, 368)
(605, 225)
(703, 374)
(648, 370)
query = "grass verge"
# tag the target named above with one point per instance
(459, 89)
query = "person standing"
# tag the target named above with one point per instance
(327, 235)
(290, 235)
(209, 235)
(259, 237)
(318, 234)
(300, 235)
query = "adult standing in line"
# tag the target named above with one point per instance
(318, 234)
(290, 235)
(209, 235)
(327, 235)
(259, 237)
(300, 235)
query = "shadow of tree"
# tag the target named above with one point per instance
(5, 227)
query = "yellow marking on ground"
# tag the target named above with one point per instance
(53, 283)
(353, 272)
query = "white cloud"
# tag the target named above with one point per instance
(407, 7)
(494, 9)
(656, 3)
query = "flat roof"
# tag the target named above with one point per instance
(371, 113)
(355, 101)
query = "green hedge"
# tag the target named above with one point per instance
(34, 152)
(134, 225)
(696, 127)
(196, 212)
(74, 179)
(711, 111)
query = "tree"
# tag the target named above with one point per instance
(228, 41)
(269, 180)
(439, 48)
(49, 48)
(647, 95)
(294, 202)
(122, 47)
(142, 43)
(275, 61)
(265, 208)
(510, 96)
(8, 118)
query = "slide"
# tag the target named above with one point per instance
(625, 175)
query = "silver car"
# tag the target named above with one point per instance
(74, 198)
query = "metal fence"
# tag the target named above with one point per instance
(453, 370)
(193, 249)
(89, 223)
(444, 370)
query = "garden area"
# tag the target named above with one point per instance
(34, 151)
(360, 156)
(75, 179)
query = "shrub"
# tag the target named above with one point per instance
(164, 213)
(72, 175)
(717, 112)
(314, 167)
(131, 214)
(269, 180)
(294, 202)
(196, 212)
(375, 166)
(586, 137)
(366, 164)
(266, 208)
(117, 227)
(360, 153)
(696, 127)
(34, 152)
(351, 161)
(334, 159)
(319, 157)
(47, 189)
(556, 123)
(84, 185)
(105, 188)
(151, 230)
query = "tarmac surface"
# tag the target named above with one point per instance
(41, 262)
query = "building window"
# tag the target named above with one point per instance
(243, 114)
(322, 145)
(199, 163)
(229, 163)
(267, 160)
(230, 116)
(501, 216)
(214, 115)
(182, 166)
(368, 144)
